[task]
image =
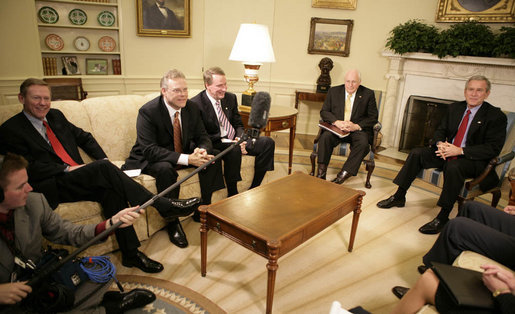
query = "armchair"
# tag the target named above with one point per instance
(343, 149)
(500, 164)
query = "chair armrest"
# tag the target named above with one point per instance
(377, 128)
(494, 162)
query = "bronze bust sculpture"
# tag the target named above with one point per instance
(324, 80)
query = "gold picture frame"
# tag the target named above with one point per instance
(330, 36)
(491, 11)
(335, 4)
(163, 18)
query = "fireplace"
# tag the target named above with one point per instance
(422, 115)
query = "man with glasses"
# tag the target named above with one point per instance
(171, 135)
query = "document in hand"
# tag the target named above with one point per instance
(464, 285)
(331, 128)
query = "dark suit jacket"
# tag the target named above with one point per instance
(19, 136)
(154, 19)
(230, 108)
(155, 134)
(364, 111)
(485, 137)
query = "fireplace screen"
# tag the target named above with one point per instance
(421, 118)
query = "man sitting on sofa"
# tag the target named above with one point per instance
(50, 143)
(219, 111)
(170, 135)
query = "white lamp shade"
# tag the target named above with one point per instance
(252, 45)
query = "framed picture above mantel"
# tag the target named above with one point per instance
(163, 18)
(488, 11)
(330, 36)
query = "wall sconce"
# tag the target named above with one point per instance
(252, 47)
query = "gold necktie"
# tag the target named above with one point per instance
(348, 108)
(177, 142)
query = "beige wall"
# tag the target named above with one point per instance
(214, 26)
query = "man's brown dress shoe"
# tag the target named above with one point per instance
(341, 177)
(399, 291)
(177, 235)
(391, 202)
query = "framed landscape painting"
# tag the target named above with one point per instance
(330, 36)
(163, 18)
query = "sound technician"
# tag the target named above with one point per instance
(26, 216)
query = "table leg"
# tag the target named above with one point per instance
(273, 252)
(203, 241)
(355, 219)
(292, 143)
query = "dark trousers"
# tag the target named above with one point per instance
(103, 182)
(478, 228)
(359, 148)
(263, 148)
(210, 178)
(455, 172)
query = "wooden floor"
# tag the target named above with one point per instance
(387, 250)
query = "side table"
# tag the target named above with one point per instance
(280, 118)
(310, 96)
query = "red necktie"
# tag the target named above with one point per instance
(58, 147)
(177, 142)
(461, 132)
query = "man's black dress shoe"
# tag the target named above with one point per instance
(177, 235)
(391, 202)
(117, 302)
(433, 227)
(181, 208)
(341, 177)
(422, 269)
(143, 262)
(399, 291)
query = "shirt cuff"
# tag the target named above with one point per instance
(183, 160)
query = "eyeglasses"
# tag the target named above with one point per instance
(179, 91)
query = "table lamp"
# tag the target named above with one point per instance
(252, 47)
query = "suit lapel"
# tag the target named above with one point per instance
(34, 134)
(185, 120)
(209, 110)
(477, 122)
(165, 117)
(340, 112)
(357, 101)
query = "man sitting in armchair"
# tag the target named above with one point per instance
(352, 108)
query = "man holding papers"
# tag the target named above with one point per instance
(351, 108)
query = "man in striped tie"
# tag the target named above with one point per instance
(219, 110)
(469, 136)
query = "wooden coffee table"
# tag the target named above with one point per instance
(273, 219)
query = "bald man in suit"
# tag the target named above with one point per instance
(352, 108)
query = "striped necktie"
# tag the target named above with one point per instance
(177, 140)
(224, 122)
(348, 107)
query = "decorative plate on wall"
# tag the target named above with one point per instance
(48, 15)
(77, 17)
(106, 44)
(54, 42)
(81, 43)
(106, 18)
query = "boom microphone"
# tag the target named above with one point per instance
(259, 111)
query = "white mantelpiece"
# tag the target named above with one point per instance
(424, 74)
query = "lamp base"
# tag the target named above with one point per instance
(246, 100)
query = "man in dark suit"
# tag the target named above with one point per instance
(219, 111)
(470, 134)
(51, 145)
(158, 16)
(170, 136)
(352, 108)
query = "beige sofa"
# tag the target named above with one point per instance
(112, 121)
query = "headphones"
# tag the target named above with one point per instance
(1, 189)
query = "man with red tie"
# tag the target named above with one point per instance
(50, 143)
(470, 134)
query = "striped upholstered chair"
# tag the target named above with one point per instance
(500, 164)
(343, 149)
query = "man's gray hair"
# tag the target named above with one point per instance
(170, 75)
(480, 78)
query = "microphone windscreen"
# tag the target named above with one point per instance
(259, 110)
